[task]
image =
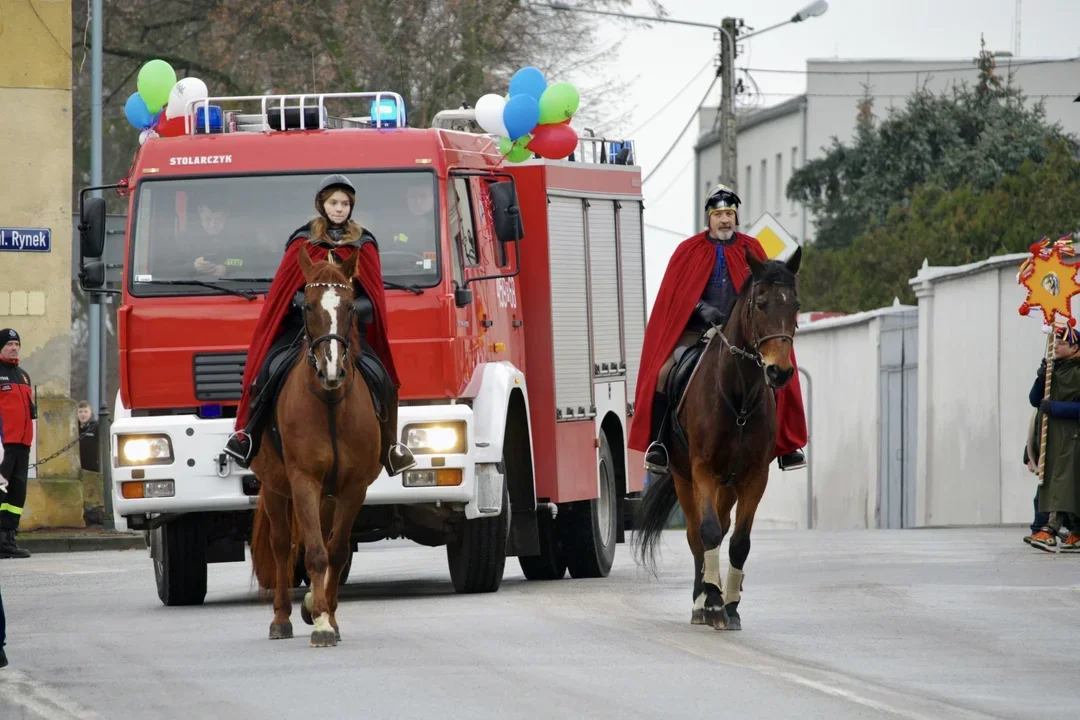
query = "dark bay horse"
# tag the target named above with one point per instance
(311, 493)
(729, 417)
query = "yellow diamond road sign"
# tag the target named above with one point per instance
(776, 241)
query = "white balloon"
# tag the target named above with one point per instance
(489, 114)
(184, 91)
(146, 135)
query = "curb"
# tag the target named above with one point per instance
(75, 543)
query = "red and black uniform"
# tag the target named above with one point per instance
(17, 414)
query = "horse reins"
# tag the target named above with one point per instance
(330, 482)
(747, 407)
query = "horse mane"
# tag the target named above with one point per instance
(774, 273)
(329, 270)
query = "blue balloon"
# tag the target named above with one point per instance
(137, 113)
(528, 81)
(520, 115)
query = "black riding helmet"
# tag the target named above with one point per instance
(720, 198)
(334, 182)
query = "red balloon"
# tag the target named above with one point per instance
(170, 127)
(553, 141)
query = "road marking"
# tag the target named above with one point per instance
(20, 689)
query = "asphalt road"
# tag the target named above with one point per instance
(913, 624)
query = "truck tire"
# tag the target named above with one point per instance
(179, 550)
(588, 528)
(477, 553)
(550, 564)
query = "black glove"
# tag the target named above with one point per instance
(1041, 372)
(710, 314)
(1044, 407)
(33, 411)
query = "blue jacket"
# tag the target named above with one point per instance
(1065, 409)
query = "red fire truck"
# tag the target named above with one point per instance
(518, 359)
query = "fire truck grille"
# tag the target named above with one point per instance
(219, 376)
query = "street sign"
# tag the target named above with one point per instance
(777, 242)
(25, 239)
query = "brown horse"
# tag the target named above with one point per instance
(729, 417)
(311, 493)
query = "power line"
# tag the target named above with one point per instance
(1006, 65)
(678, 176)
(663, 106)
(668, 230)
(689, 122)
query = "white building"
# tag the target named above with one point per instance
(774, 141)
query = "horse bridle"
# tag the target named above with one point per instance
(754, 354)
(312, 344)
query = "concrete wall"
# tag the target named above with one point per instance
(35, 192)
(841, 401)
(977, 360)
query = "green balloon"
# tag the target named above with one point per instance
(559, 102)
(156, 81)
(515, 151)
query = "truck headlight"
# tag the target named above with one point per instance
(144, 450)
(435, 438)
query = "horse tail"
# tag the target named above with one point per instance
(262, 554)
(657, 503)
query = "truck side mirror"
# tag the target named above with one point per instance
(507, 214)
(92, 275)
(92, 227)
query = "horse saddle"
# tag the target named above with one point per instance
(687, 358)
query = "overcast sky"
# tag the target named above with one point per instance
(661, 60)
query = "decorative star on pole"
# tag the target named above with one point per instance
(1050, 281)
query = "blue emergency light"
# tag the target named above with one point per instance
(210, 410)
(617, 146)
(216, 125)
(384, 113)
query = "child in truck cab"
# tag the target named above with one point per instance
(281, 329)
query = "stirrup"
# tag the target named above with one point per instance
(391, 470)
(653, 467)
(242, 460)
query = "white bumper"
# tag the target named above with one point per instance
(201, 484)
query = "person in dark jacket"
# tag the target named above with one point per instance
(18, 412)
(3, 618)
(88, 438)
(1059, 494)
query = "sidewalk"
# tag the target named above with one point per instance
(59, 540)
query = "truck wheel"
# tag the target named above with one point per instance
(588, 527)
(477, 552)
(179, 553)
(550, 564)
(300, 573)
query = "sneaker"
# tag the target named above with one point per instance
(1071, 544)
(1044, 540)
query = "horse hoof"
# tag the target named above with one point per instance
(281, 632)
(734, 621)
(697, 617)
(323, 638)
(716, 616)
(305, 611)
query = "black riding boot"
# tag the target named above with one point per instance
(656, 456)
(396, 458)
(8, 547)
(792, 461)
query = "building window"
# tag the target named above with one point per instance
(746, 189)
(794, 164)
(779, 183)
(763, 187)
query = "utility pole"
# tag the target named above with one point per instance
(729, 159)
(95, 326)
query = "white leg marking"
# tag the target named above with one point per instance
(322, 623)
(733, 590)
(711, 570)
(330, 300)
(699, 601)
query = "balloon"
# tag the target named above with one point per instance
(184, 91)
(520, 116)
(559, 102)
(146, 135)
(514, 151)
(528, 81)
(489, 114)
(137, 113)
(170, 127)
(553, 142)
(156, 80)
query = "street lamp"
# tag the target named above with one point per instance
(727, 30)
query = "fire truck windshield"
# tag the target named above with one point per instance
(233, 229)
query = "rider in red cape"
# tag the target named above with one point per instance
(699, 289)
(278, 326)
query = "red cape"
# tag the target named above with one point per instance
(290, 279)
(684, 281)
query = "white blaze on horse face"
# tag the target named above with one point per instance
(330, 300)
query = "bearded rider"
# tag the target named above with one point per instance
(699, 290)
(280, 327)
